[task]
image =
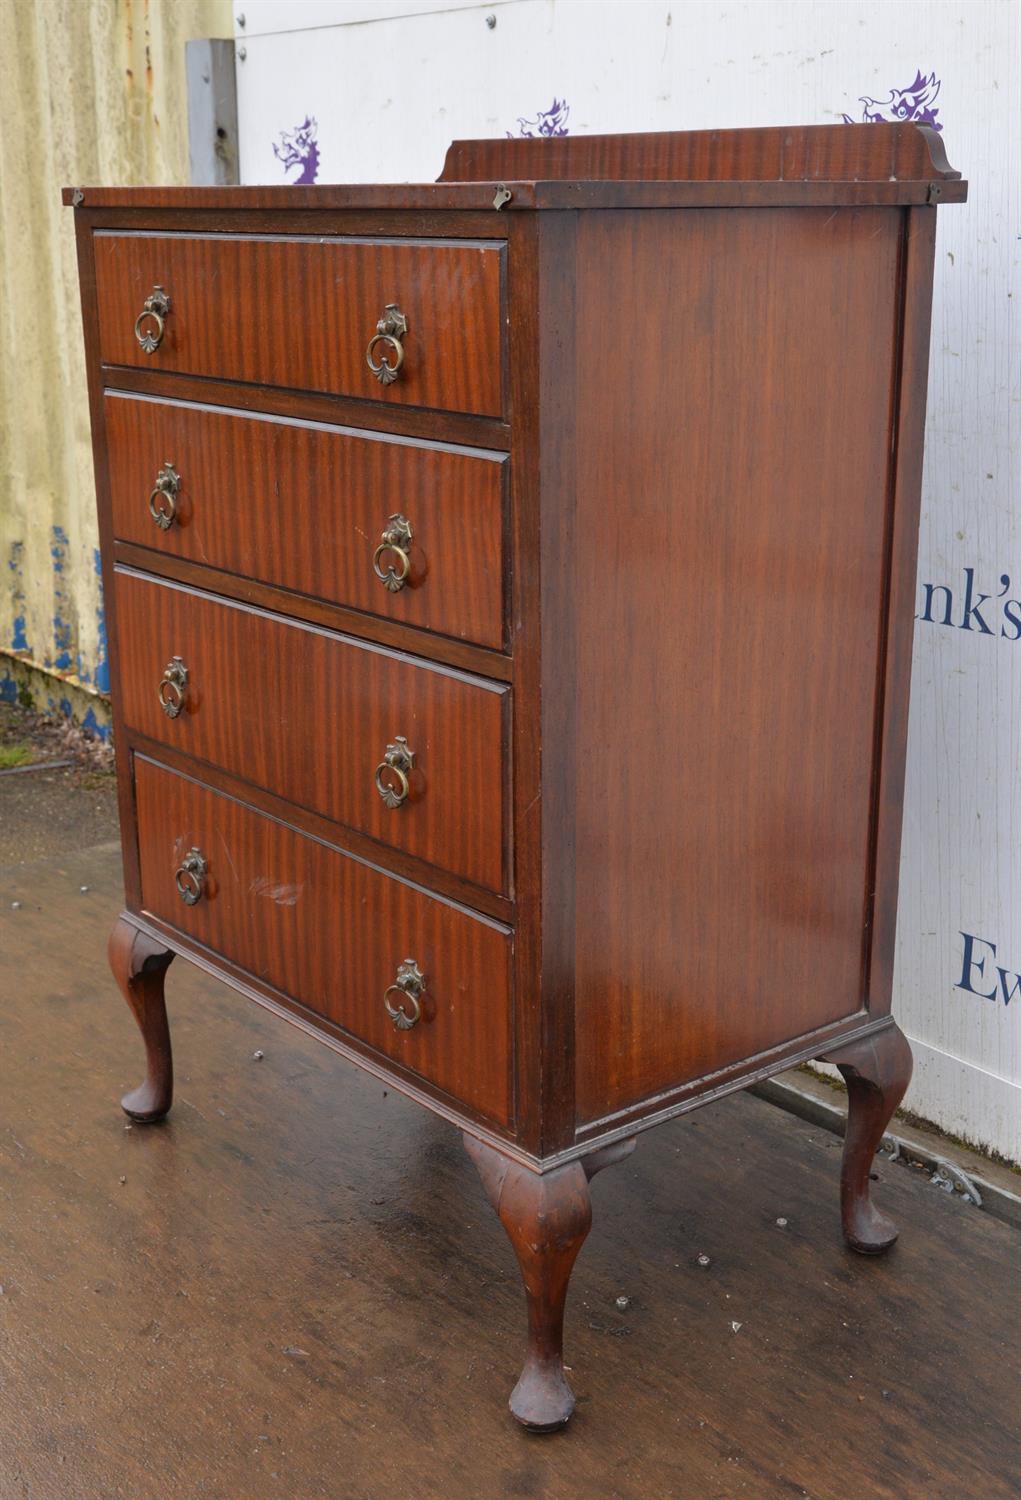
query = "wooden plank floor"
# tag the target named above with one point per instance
(294, 1287)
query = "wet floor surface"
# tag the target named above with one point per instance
(295, 1287)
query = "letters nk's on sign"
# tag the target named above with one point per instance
(984, 614)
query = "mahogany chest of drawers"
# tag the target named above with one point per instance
(510, 583)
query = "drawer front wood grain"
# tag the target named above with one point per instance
(304, 507)
(308, 715)
(330, 931)
(300, 312)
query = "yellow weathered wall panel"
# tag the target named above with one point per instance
(92, 92)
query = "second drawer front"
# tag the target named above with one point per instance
(309, 716)
(305, 507)
(332, 933)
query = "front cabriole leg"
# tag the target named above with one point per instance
(877, 1071)
(546, 1218)
(139, 965)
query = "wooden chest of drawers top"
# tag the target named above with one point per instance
(511, 579)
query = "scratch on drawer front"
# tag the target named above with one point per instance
(197, 536)
(283, 895)
(226, 854)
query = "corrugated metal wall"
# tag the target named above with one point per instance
(91, 93)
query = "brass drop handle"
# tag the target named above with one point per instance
(396, 540)
(163, 499)
(190, 877)
(392, 782)
(152, 320)
(390, 330)
(172, 688)
(409, 986)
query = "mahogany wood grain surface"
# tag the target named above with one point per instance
(313, 406)
(300, 312)
(829, 153)
(309, 715)
(452, 887)
(304, 506)
(331, 931)
(877, 1072)
(788, 194)
(906, 494)
(446, 649)
(551, 444)
(547, 1219)
(661, 451)
(467, 208)
(872, 157)
(732, 548)
(85, 249)
(139, 965)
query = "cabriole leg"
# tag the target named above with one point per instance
(546, 1218)
(139, 965)
(877, 1072)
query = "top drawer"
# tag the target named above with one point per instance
(301, 312)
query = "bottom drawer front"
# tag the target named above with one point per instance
(332, 933)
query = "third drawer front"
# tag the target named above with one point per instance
(410, 754)
(311, 508)
(369, 953)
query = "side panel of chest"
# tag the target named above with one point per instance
(732, 545)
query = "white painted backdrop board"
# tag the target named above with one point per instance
(382, 89)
